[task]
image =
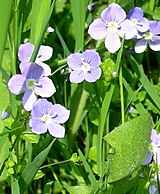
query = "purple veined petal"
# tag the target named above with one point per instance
(112, 42)
(143, 25)
(153, 135)
(92, 58)
(158, 139)
(41, 107)
(135, 13)
(23, 64)
(93, 75)
(62, 113)
(156, 158)
(25, 51)
(154, 45)
(76, 76)
(56, 130)
(98, 29)
(29, 98)
(74, 61)
(114, 13)
(154, 27)
(46, 68)
(45, 53)
(127, 30)
(140, 46)
(45, 87)
(17, 84)
(32, 71)
(37, 126)
(148, 158)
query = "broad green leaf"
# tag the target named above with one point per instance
(14, 185)
(130, 141)
(79, 189)
(32, 168)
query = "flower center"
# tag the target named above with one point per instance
(134, 21)
(112, 26)
(148, 36)
(46, 118)
(31, 83)
(85, 66)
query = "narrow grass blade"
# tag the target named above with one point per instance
(79, 8)
(14, 186)
(31, 169)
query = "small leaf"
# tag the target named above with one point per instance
(39, 175)
(79, 189)
(30, 137)
(131, 142)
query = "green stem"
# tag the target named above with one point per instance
(121, 93)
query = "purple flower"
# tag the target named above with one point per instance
(154, 148)
(136, 17)
(85, 66)
(5, 114)
(112, 25)
(46, 116)
(32, 82)
(151, 38)
(25, 52)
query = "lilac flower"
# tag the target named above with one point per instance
(112, 25)
(5, 114)
(25, 52)
(32, 82)
(151, 38)
(46, 116)
(136, 17)
(85, 66)
(154, 148)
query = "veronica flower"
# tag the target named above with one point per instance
(112, 25)
(32, 82)
(46, 116)
(136, 17)
(154, 148)
(25, 52)
(85, 66)
(151, 38)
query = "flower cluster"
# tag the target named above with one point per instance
(33, 82)
(115, 24)
(154, 148)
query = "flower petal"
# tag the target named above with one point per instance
(17, 84)
(56, 130)
(155, 45)
(45, 87)
(33, 71)
(143, 25)
(37, 126)
(148, 158)
(140, 46)
(74, 61)
(112, 42)
(40, 108)
(153, 135)
(29, 98)
(76, 76)
(62, 113)
(135, 13)
(127, 30)
(114, 13)
(93, 75)
(46, 68)
(98, 29)
(25, 51)
(154, 27)
(45, 53)
(92, 58)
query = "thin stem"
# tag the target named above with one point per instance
(121, 93)
(53, 164)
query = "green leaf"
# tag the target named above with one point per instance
(39, 175)
(32, 168)
(14, 186)
(130, 141)
(30, 137)
(79, 189)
